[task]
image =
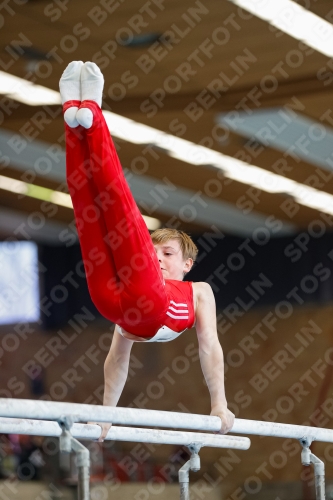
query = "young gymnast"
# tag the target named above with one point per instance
(135, 280)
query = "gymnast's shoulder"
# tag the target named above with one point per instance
(201, 291)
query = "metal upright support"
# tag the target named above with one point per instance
(183, 474)
(319, 467)
(69, 444)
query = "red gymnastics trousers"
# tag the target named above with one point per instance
(123, 273)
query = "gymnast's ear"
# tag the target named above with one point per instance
(188, 265)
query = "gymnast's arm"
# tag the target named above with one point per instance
(116, 368)
(115, 373)
(211, 355)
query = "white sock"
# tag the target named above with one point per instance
(70, 90)
(84, 117)
(70, 82)
(92, 82)
(70, 117)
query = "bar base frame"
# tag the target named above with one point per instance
(308, 458)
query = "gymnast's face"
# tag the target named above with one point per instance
(171, 260)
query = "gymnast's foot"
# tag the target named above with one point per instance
(92, 83)
(70, 90)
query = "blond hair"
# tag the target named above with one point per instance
(187, 246)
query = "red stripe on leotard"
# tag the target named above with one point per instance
(180, 314)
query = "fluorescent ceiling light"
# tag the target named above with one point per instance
(131, 131)
(294, 20)
(212, 212)
(171, 199)
(24, 91)
(33, 191)
(56, 197)
(235, 169)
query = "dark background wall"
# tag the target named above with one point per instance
(244, 273)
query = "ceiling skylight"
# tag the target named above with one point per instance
(294, 20)
(303, 138)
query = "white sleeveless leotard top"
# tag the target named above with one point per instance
(164, 334)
